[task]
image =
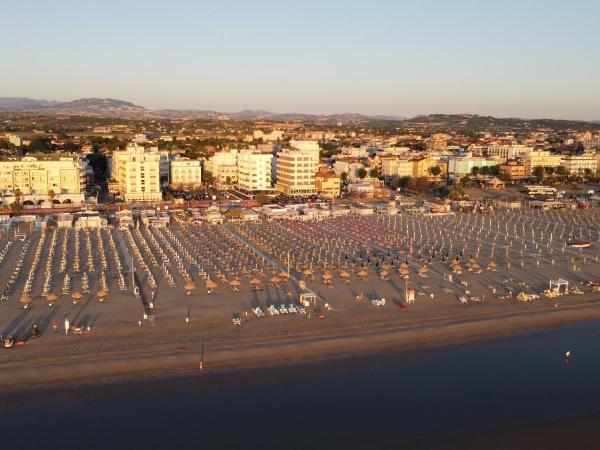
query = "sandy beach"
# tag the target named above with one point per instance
(122, 345)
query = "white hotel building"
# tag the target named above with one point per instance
(254, 170)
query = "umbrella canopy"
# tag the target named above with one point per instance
(52, 297)
(283, 274)
(275, 280)
(26, 299)
(344, 274)
(235, 282)
(307, 271)
(102, 293)
(404, 265)
(77, 295)
(362, 273)
(327, 276)
(210, 284)
(384, 273)
(254, 281)
(189, 286)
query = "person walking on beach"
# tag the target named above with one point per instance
(67, 324)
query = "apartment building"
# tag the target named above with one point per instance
(513, 169)
(328, 184)
(580, 164)
(137, 173)
(296, 169)
(254, 170)
(541, 158)
(391, 167)
(185, 173)
(224, 167)
(60, 178)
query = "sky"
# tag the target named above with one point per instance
(507, 58)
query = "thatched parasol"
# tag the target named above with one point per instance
(26, 300)
(492, 266)
(327, 276)
(210, 284)
(384, 274)
(76, 296)
(51, 298)
(362, 273)
(235, 282)
(344, 274)
(101, 294)
(307, 272)
(275, 280)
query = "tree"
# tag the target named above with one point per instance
(208, 178)
(506, 177)
(374, 173)
(475, 171)
(362, 173)
(39, 145)
(549, 170)
(404, 182)
(538, 172)
(465, 181)
(485, 170)
(419, 184)
(262, 199)
(561, 170)
(435, 171)
(457, 192)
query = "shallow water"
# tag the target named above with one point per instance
(468, 389)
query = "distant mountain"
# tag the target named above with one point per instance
(23, 102)
(109, 107)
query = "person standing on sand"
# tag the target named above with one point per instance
(67, 324)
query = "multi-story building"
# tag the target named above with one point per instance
(328, 184)
(137, 172)
(15, 139)
(541, 158)
(296, 169)
(254, 170)
(580, 164)
(273, 135)
(509, 151)
(421, 166)
(59, 178)
(396, 167)
(185, 173)
(460, 166)
(224, 167)
(513, 169)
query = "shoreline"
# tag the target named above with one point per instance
(241, 362)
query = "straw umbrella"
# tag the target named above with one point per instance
(210, 285)
(275, 280)
(51, 299)
(235, 284)
(102, 294)
(26, 300)
(423, 271)
(76, 296)
(384, 274)
(307, 272)
(327, 276)
(362, 274)
(189, 287)
(255, 282)
(492, 266)
(345, 275)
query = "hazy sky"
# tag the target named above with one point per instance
(528, 58)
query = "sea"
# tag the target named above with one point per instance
(406, 400)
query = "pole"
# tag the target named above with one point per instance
(288, 264)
